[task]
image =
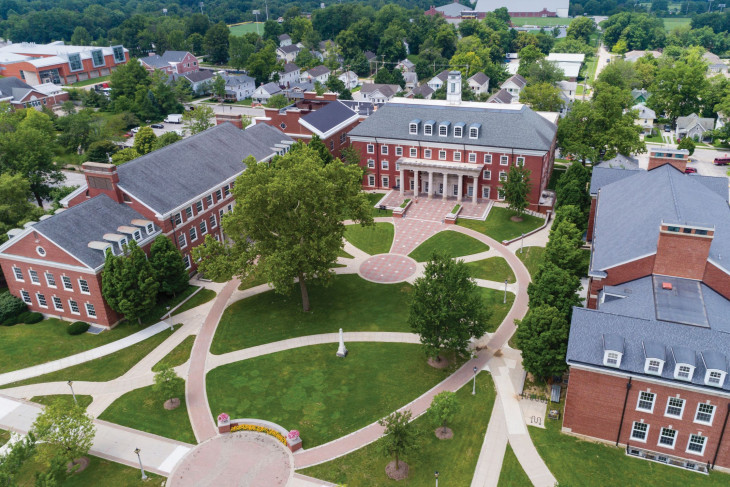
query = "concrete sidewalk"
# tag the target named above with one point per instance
(113, 442)
(80, 358)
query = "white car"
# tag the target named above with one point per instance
(179, 132)
(135, 130)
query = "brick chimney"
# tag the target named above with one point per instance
(682, 250)
(659, 156)
(102, 178)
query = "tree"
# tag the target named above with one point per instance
(218, 88)
(563, 247)
(67, 431)
(350, 155)
(572, 214)
(554, 287)
(287, 221)
(687, 143)
(335, 84)
(15, 209)
(128, 282)
(124, 155)
(544, 71)
(443, 408)
(216, 43)
(101, 150)
(679, 87)
(447, 309)
(199, 119)
(383, 76)
(543, 338)
(127, 79)
(262, 63)
(529, 55)
(517, 188)
(144, 141)
(317, 145)
(277, 101)
(166, 139)
(581, 28)
(167, 383)
(400, 436)
(81, 37)
(167, 264)
(542, 97)
(620, 47)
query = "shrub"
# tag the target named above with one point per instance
(30, 318)
(77, 328)
(13, 320)
(10, 307)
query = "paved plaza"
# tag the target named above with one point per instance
(387, 268)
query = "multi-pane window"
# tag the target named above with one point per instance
(458, 132)
(90, 310)
(612, 358)
(57, 303)
(487, 174)
(74, 62)
(413, 128)
(227, 191)
(654, 366)
(371, 149)
(413, 152)
(209, 200)
(443, 130)
(181, 242)
(193, 234)
(203, 227)
(218, 195)
(442, 155)
(97, 58)
(675, 407)
(504, 161)
(502, 175)
(384, 150)
(385, 181)
(371, 180)
(343, 137)
(683, 372)
(472, 157)
(428, 129)
(384, 165)
(696, 444)
(500, 193)
(73, 306)
(485, 191)
(186, 261)
(137, 235)
(520, 161)
(198, 206)
(371, 163)
(18, 274)
(646, 401)
(427, 153)
(41, 300)
(178, 218)
(50, 280)
(399, 151)
(457, 156)
(473, 133)
(118, 52)
(667, 437)
(188, 212)
(639, 431)
(26, 297)
(213, 222)
(84, 286)
(34, 277)
(705, 413)
(487, 158)
(714, 378)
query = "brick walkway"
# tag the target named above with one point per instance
(387, 268)
(436, 208)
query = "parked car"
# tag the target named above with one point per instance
(157, 126)
(135, 130)
(667, 128)
(174, 118)
(128, 135)
(690, 170)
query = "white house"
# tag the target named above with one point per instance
(284, 40)
(567, 94)
(239, 87)
(350, 79)
(378, 93)
(290, 75)
(646, 118)
(438, 81)
(264, 92)
(319, 73)
(287, 53)
(479, 83)
(406, 66)
(514, 86)
(411, 80)
(569, 63)
(199, 80)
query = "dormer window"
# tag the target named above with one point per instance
(613, 349)
(612, 358)
(683, 372)
(474, 131)
(150, 229)
(413, 127)
(444, 129)
(458, 132)
(653, 366)
(137, 235)
(122, 242)
(715, 378)
(428, 129)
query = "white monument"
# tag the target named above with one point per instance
(341, 350)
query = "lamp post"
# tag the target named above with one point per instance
(71, 385)
(144, 476)
(505, 292)
(522, 243)
(436, 474)
(474, 387)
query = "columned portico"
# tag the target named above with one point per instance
(430, 184)
(453, 174)
(461, 189)
(445, 190)
(402, 182)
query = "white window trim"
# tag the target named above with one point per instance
(473, 133)
(70, 286)
(653, 402)
(427, 153)
(81, 288)
(384, 165)
(502, 176)
(445, 129)
(37, 298)
(370, 149)
(486, 192)
(186, 259)
(203, 227)
(681, 411)
(646, 433)
(413, 128)
(37, 280)
(712, 416)
(71, 308)
(457, 156)
(413, 152)
(16, 271)
(371, 180)
(674, 440)
(650, 362)
(460, 132)
(500, 194)
(399, 151)
(722, 374)
(606, 356)
(86, 308)
(193, 230)
(185, 239)
(487, 158)
(55, 306)
(48, 281)
(385, 181)
(23, 294)
(472, 157)
(442, 158)
(691, 372)
(504, 160)
(371, 163)
(213, 221)
(520, 161)
(384, 150)
(692, 452)
(487, 175)
(428, 129)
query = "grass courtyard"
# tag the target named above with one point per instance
(454, 459)
(321, 395)
(347, 303)
(99, 472)
(499, 225)
(532, 258)
(373, 239)
(65, 399)
(373, 199)
(512, 474)
(453, 244)
(201, 297)
(178, 356)
(493, 301)
(491, 269)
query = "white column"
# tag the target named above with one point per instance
(402, 182)
(461, 178)
(446, 187)
(415, 183)
(430, 184)
(474, 192)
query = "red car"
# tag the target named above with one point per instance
(690, 170)
(128, 135)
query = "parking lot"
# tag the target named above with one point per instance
(167, 127)
(700, 160)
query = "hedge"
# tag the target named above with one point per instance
(77, 328)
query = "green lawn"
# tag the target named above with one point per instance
(239, 30)
(102, 369)
(92, 81)
(454, 459)
(499, 226)
(319, 394)
(66, 399)
(672, 23)
(572, 461)
(492, 269)
(532, 258)
(99, 472)
(347, 303)
(540, 21)
(654, 138)
(494, 301)
(453, 244)
(159, 310)
(142, 409)
(4, 436)
(373, 199)
(342, 253)
(178, 356)
(512, 474)
(375, 239)
(202, 297)
(252, 280)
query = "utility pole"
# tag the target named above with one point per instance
(266, 2)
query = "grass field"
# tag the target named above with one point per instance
(492, 269)
(202, 297)
(240, 29)
(672, 23)
(100, 79)
(178, 356)
(346, 303)
(540, 21)
(532, 258)
(4, 436)
(453, 244)
(375, 239)
(512, 474)
(499, 226)
(493, 301)
(319, 394)
(66, 399)
(142, 409)
(454, 459)
(373, 198)
(99, 472)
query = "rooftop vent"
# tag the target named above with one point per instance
(667, 286)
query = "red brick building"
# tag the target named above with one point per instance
(454, 148)
(58, 63)
(649, 356)
(20, 94)
(181, 191)
(171, 62)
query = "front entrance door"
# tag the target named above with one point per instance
(441, 188)
(425, 186)
(456, 190)
(470, 190)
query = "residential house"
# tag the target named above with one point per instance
(406, 66)
(266, 91)
(171, 62)
(287, 53)
(284, 40)
(424, 90)
(640, 96)
(199, 80)
(297, 91)
(715, 64)
(567, 94)
(239, 87)
(479, 83)
(411, 80)
(514, 86)
(569, 63)
(350, 79)
(503, 97)
(181, 191)
(291, 74)
(19, 94)
(694, 126)
(319, 73)
(378, 93)
(646, 118)
(632, 56)
(438, 81)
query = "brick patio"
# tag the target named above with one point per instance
(387, 268)
(436, 208)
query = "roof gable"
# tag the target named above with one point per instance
(324, 119)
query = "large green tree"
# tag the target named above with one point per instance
(517, 189)
(543, 97)
(543, 338)
(15, 208)
(446, 309)
(554, 287)
(144, 140)
(128, 283)
(167, 264)
(679, 85)
(199, 119)
(287, 222)
(581, 28)
(216, 43)
(66, 431)
(563, 247)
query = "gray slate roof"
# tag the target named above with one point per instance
(502, 96)
(270, 88)
(291, 48)
(423, 90)
(14, 87)
(318, 71)
(479, 78)
(200, 75)
(386, 89)
(516, 79)
(86, 222)
(620, 161)
(644, 111)
(289, 67)
(515, 128)
(329, 116)
(604, 175)
(690, 120)
(169, 177)
(630, 211)
(157, 61)
(361, 107)
(239, 79)
(284, 37)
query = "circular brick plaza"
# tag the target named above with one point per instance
(241, 458)
(387, 268)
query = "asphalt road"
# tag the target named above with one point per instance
(701, 160)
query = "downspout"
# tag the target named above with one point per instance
(722, 434)
(623, 411)
(377, 164)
